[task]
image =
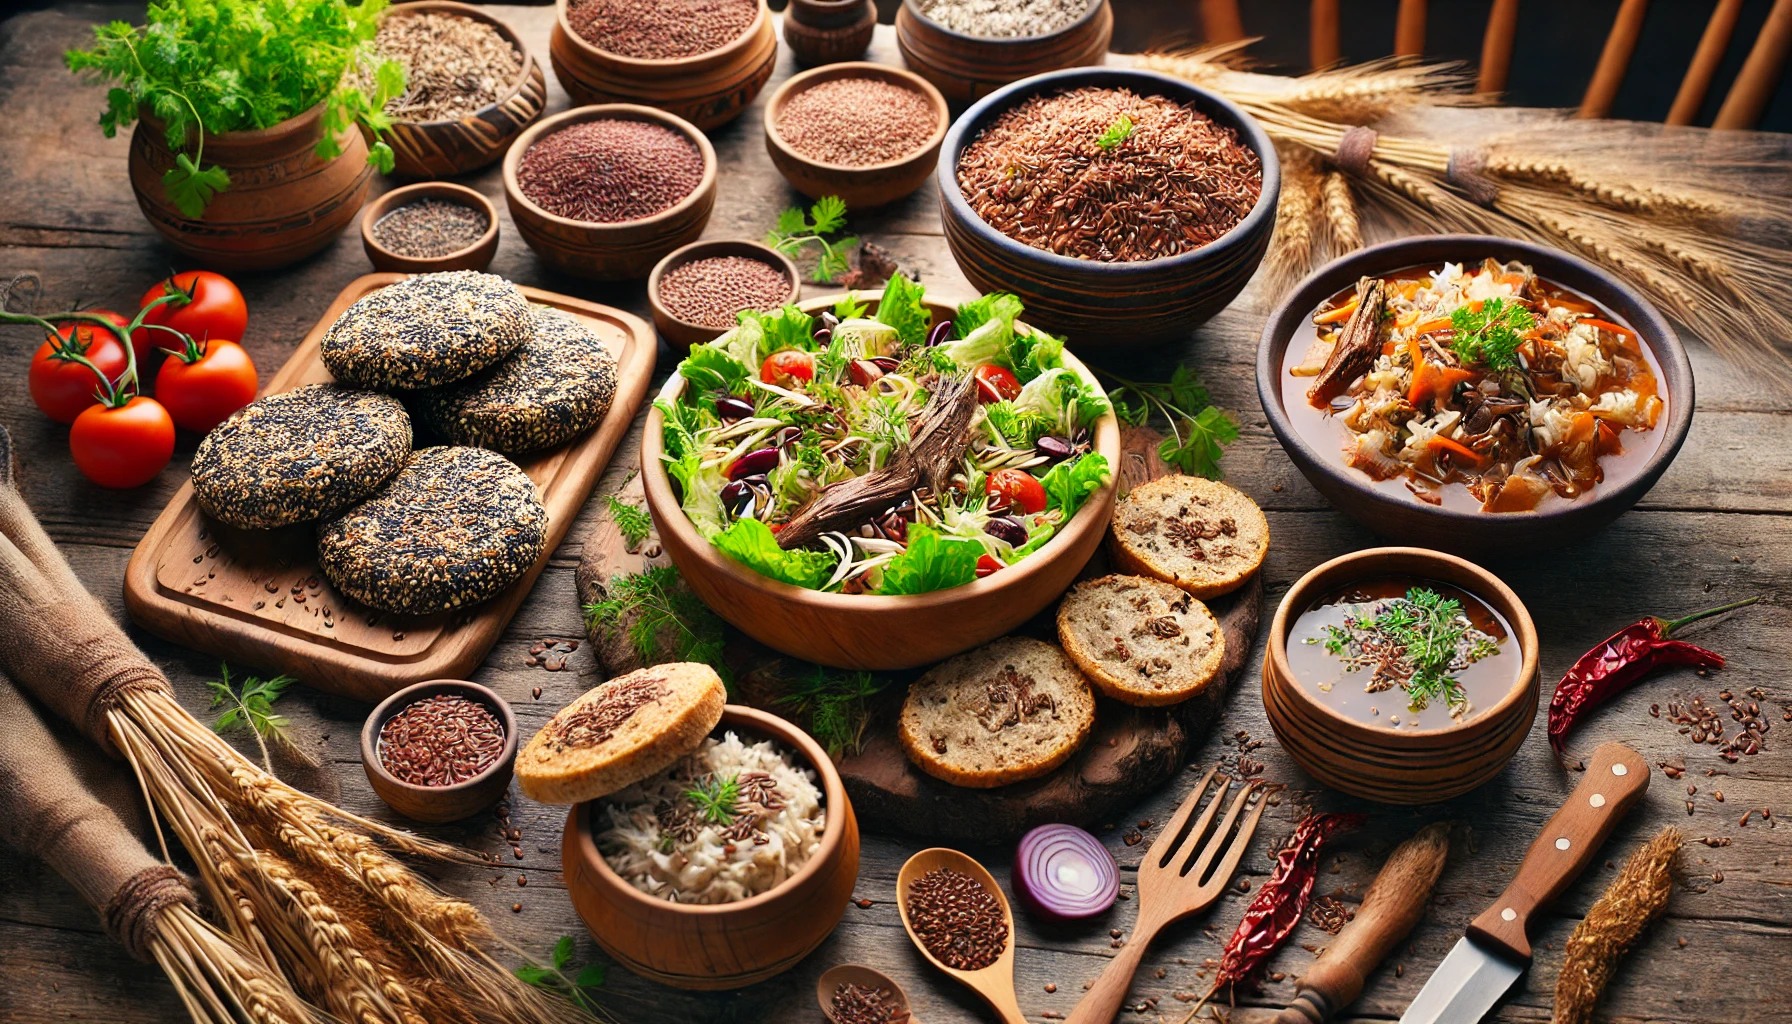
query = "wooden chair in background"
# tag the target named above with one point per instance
(1742, 107)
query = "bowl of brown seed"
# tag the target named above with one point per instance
(429, 227)
(698, 291)
(440, 750)
(867, 133)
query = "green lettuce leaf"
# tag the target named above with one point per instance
(702, 493)
(1030, 355)
(711, 369)
(931, 563)
(789, 327)
(751, 543)
(977, 312)
(1070, 483)
(1063, 395)
(1019, 427)
(902, 308)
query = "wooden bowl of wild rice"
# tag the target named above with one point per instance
(1113, 235)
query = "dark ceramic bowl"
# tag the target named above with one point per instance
(1112, 304)
(439, 803)
(1408, 520)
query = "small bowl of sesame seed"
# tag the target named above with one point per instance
(697, 292)
(440, 750)
(430, 227)
(867, 133)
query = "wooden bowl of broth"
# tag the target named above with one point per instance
(1401, 675)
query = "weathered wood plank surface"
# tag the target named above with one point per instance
(1716, 528)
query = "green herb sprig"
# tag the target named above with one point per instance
(632, 520)
(652, 602)
(576, 988)
(1427, 636)
(836, 705)
(236, 65)
(1118, 132)
(251, 706)
(1199, 430)
(1491, 335)
(795, 231)
(716, 800)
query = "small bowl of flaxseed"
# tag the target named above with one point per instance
(429, 227)
(442, 750)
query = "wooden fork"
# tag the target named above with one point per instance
(1170, 885)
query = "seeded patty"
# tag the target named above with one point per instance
(552, 388)
(453, 528)
(427, 331)
(300, 455)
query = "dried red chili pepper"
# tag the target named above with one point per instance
(1280, 902)
(1620, 662)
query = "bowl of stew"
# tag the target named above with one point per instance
(1474, 393)
(1401, 675)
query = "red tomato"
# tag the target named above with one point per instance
(792, 364)
(987, 564)
(63, 388)
(995, 384)
(122, 447)
(1016, 488)
(200, 394)
(208, 307)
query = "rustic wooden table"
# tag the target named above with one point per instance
(1715, 529)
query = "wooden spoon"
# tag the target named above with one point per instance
(864, 977)
(994, 983)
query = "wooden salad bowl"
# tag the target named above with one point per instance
(439, 803)
(681, 335)
(1399, 516)
(825, 31)
(443, 149)
(967, 67)
(476, 256)
(1109, 304)
(867, 631)
(726, 945)
(619, 251)
(707, 89)
(1399, 765)
(862, 186)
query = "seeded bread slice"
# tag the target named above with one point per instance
(1141, 640)
(621, 732)
(1199, 534)
(1010, 710)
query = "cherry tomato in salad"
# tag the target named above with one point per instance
(995, 384)
(205, 384)
(62, 388)
(987, 564)
(792, 364)
(122, 447)
(1016, 488)
(206, 306)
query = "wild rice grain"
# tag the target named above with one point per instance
(430, 227)
(603, 172)
(453, 65)
(710, 292)
(1004, 19)
(660, 29)
(856, 122)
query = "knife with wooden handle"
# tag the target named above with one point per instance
(1392, 906)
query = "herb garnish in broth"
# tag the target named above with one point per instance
(1416, 642)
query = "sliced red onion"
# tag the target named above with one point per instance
(1062, 873)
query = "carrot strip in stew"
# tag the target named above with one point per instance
(1338, 315)
(1607, 325)
(1439, 442)
(1441, 324)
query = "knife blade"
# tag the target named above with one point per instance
(1495, 952)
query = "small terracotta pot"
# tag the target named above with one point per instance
(860, 186)
(284, 201)
(707, 89)
(1399, 765)
(726, 945)
(477, 256)
(967, 67)
(443, 149)
(826, 31)
(682, 334)
(439, 803)
(624, 250)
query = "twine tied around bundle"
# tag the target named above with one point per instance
(1355, 149)
(131, 914)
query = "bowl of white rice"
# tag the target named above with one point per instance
(724, 869)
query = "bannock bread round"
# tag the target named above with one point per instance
(621, 732)
(426, 331)
(1010, 710)
(1141, 640)
(1199, 534)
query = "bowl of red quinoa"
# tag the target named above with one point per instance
(430, 227)
(698, 291)
(867, 133)
(440, 750)
(604, 192)
(1076, 191)
(703, 60)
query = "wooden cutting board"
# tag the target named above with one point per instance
(258, 597)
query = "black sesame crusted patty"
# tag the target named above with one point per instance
(299, 455)
(453, 528)
(552, 388)
(426, 331)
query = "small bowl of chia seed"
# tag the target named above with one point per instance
(429, 227)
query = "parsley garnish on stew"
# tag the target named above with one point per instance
(1490, 335)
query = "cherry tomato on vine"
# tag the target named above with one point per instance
(203, 385)
(987, 564)
(995, 384)
(1016, 488)
(62, 388)
(207, 306)
(792, 364)
(122, 447)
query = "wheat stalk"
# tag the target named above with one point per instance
(1343, 229)
(1299, 210)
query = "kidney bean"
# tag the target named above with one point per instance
(941, 331)
(895, 527)
(731, 408)
(887, 363)
(1052, 447)
(863, 372)
(1007, 529)
(823, 336)
(763, 460)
